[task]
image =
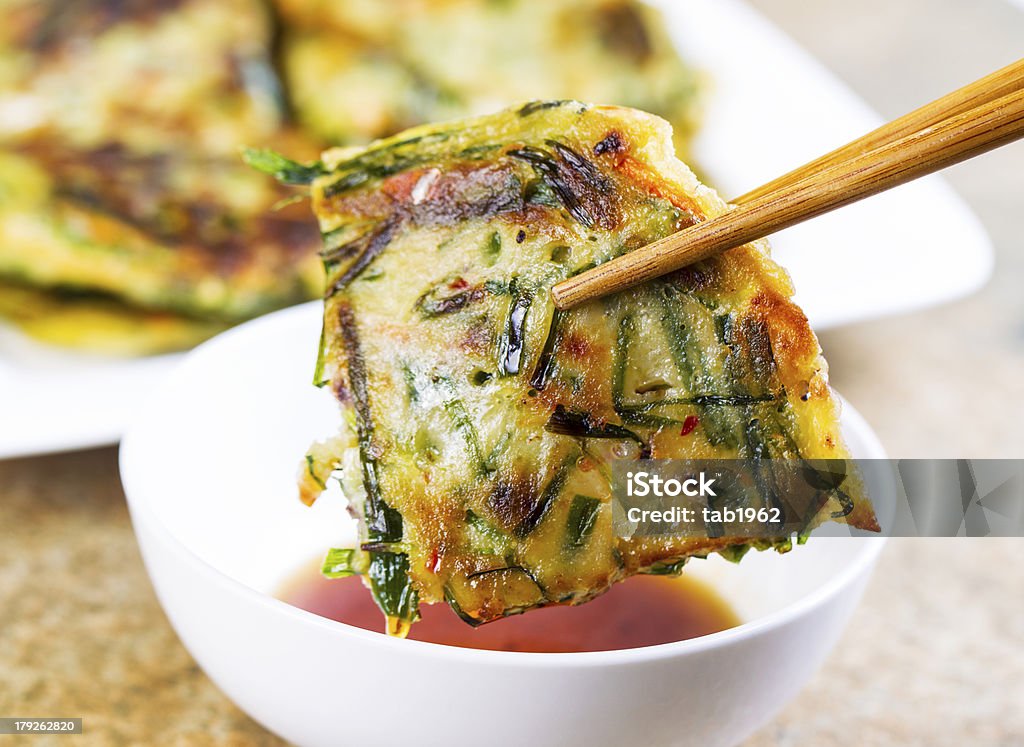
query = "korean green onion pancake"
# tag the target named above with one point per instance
(127, 221)
(481, 423)
(362, 69)
(129, 224)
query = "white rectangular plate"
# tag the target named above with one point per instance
(772, 107)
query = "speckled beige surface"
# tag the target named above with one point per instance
(81, 633)
(935, 655)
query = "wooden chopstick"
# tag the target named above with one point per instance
(858, 174)
(1002, 82)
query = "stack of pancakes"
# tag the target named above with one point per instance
(128, 222)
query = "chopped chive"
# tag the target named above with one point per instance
(491, 463)
(476, 152)
(479, 378)
(620, 360)
(340, 563)
(383, 522)
(372, 247)
(391, 586)
(453, 603)
(535, 106)
(497, 287)
(486, 538)
(311, 471)
(492, 248)
(283, 169)
(456, 410)
(560, 254)
(345, 183)
(667, 568)
(581, 521)
(319, 379)
(581, 188)
(546, 363)
(433, 304)
(508, 569)
(512, 342)
(537, 192)
(581, 424)
(734, 553)
(460, 418)
(340, 243)
(845, 504)
(547, 497)
(695, 366)
(765, 479)
(411, 388)
(702, 400)
(620, 363)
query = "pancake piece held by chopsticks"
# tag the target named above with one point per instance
(481, 423)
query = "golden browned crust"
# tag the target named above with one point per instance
(486, 423)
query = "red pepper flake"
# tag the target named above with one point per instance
(689, 425)
(458, 283)
(400, 186)
(435, 561)
(585, 465)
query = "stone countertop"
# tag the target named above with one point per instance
(935, 654)
(933, 657)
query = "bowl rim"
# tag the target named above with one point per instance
(142, 512)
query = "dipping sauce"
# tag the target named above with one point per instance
(641, 611)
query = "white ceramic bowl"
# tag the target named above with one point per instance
(209, 469)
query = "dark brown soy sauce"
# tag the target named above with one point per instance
(641, 611)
